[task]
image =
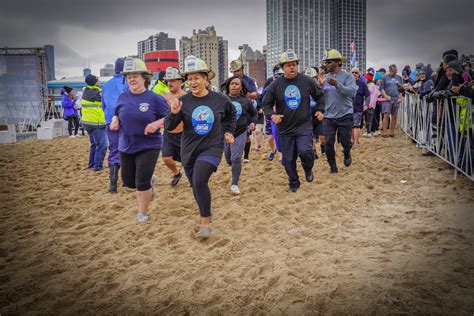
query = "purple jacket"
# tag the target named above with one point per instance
(68, 105)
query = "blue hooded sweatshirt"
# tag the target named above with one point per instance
(68, 105)
(110, 93)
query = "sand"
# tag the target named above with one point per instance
(354, 243)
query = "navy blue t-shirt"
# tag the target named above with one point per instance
(361, 94)
(135, 112)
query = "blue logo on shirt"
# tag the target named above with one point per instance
(203, 119)
(238, 108)
(292, 97)
(312, 103)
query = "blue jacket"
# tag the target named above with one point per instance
(110, 93)
(68, 105)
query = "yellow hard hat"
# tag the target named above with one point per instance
(311, 72)
(236, 65)
(332, 54)
(134, 65)
(287, 57)
(192, 64)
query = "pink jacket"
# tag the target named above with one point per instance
(374, 91)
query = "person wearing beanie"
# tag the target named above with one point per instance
(93, 120)
(112, 90)
(70, 113)
(92, 80)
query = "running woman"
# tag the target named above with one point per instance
(138, 116)
(246, 113)
(208, 118)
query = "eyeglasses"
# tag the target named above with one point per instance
(355, 72)
(327, 62)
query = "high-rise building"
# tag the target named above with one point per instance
(107, 71)
(254, 64)
(159, 41)
(348, 18)
(310, 26)
(205, 44)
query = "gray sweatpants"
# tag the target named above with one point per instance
(233, 156)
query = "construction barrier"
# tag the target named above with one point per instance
(443, 127)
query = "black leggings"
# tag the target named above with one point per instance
(72, 122)
(199, 177)
(137, 169)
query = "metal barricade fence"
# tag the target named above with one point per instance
(443, 127)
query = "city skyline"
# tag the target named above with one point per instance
(395, 34)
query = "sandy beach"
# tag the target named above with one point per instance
(357, 242)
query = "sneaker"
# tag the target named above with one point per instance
(376, 133)
(235, 189)
(204, 232)
(78, 135)
(72, 136)
(333, 169)
(293, 190)
(347, 159)
(142, 217)
(365, 134)
(153, 187)
(175, 179)
(246, 161)
(271, 156)
(309, 176)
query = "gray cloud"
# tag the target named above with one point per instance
(401, 32)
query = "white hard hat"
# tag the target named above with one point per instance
(172, 74)
(192, 64)
(134, 65)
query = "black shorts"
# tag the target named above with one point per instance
(137, 168)
(172, 146)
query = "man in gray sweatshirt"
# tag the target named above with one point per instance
(339, 89)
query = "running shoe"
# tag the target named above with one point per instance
(204, 232)
(72, 136)
(235, 189)
(246, 161)
(175, 179)
(271, 155)
(309, 176)
(347, 158)
(153, 187)
(142, 217)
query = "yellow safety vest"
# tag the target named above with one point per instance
(160, 88)
(92, 112)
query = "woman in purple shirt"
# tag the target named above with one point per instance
(138, 117)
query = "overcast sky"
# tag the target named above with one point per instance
(99, 31)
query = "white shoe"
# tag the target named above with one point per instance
(235, 189)
(365, 134)
(246, 161)
(78, 136)
(377, 133)
(72, 136)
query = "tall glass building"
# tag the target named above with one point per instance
(310, 26)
